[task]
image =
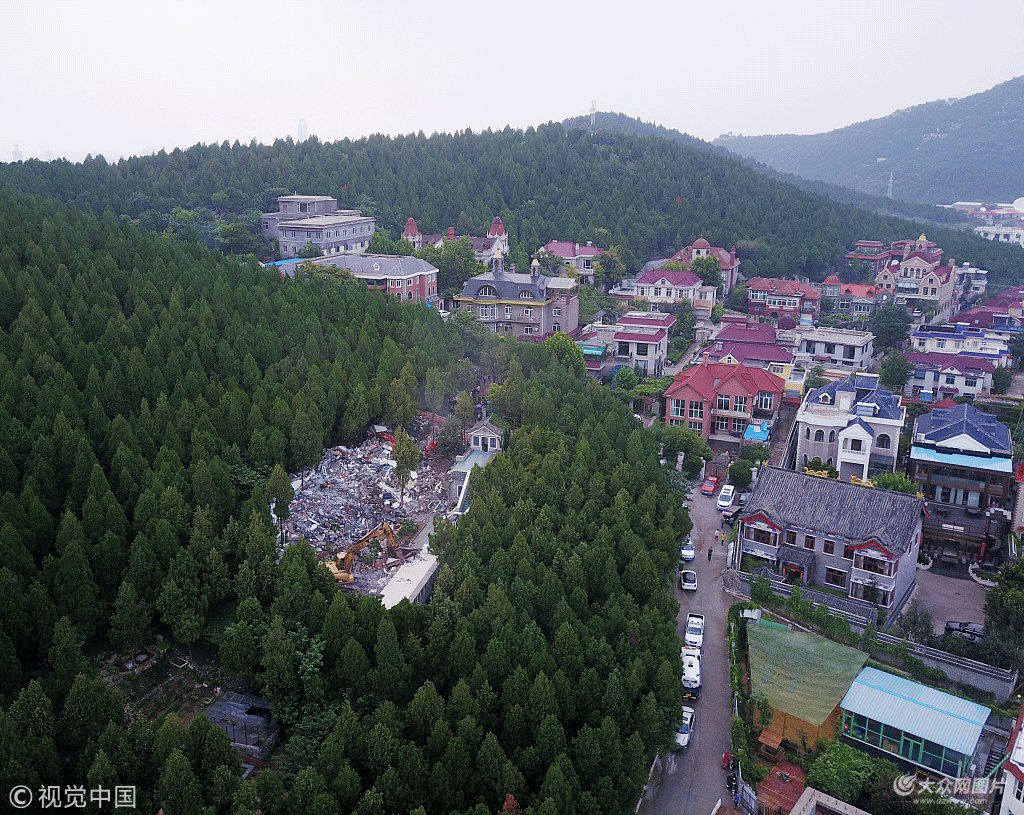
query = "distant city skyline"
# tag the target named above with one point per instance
(115, 79)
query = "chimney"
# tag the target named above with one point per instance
(451, 233)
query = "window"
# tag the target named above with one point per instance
(623, 349)
(830, 348)
(809, 541)
(696, 410)
(722, 423)
(739, 404)
(508, 312)
(657, 291)
(489, 312)
(766, 400)
(847, 552)
(970, 382)
(832, 436)
(723, 402)
(791, 537)
(698, 426)
(556, 312)
(528, 329)
(828, 547)
(807, 433)
(677, 407)
(819, 435)
(528, 312)
(641, 349)
(835, 577)
(526, 295)
(883, 442)
(950, 379)
(856, 445)
(556, 327)
(739, 425)
(487, 291)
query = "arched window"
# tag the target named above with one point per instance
(832, 435)
(487, 291)
(829, 462)
(807, 435)
(805, 459)
(819, 435)
(883, 442)
(526, 294)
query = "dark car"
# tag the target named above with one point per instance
(972, 632)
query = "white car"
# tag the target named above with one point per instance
(687, 550)
(688, 580)
(725, 496)
(685, 731)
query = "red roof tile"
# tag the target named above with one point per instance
(683, 279)
(708, 377)
(781, 286)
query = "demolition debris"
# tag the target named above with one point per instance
(347, 500)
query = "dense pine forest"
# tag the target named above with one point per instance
(647, 194)
(150, 384)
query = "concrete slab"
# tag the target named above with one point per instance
(949, 598)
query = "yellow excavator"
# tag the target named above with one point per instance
(341, 568)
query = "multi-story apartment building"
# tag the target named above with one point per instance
(316, 219)
(835, 347)
(961, 338)
(525, 305)
(409, 279)
(852, 425)
(775, 298)
(720, 400)
(948, 375)
(485, 250)
(850, 537)
(963, 461)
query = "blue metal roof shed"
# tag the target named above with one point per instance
(931, 714)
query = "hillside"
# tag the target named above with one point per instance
(939, 152)
(649, 194)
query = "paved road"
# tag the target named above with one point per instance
(691, 782)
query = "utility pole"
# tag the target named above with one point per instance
(593, 114)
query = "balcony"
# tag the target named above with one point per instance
(764, 550)
(866, 578)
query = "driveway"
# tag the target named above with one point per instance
(692, 781)
(949, 598)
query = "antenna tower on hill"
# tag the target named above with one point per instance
(889, 194)
(593, 115)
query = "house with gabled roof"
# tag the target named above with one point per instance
(523, 305)
(853, 425)
(814, 530)
(720, 401)
(948, 375)
(773, 358)
(727, 260)
(776, 298)
(576, 256)
(485, 249)
(486, 436)
(667, 286)
(963, 461)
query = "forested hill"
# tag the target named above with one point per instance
(648, 194)
(925, 213)
(939, 152)
(147, 387)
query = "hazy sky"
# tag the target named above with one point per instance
(125, 78)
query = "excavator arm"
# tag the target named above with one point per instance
(343, 570)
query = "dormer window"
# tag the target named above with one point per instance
(825, 399)
(525, 294)
(487, 291)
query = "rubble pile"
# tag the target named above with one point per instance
(351, 492)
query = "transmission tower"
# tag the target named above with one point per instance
(889, 194)
(593, 115)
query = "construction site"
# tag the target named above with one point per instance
(353, 512)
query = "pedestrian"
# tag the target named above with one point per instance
(710, 550)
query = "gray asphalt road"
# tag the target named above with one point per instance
(690, 782)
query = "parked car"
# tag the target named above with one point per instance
(725, 496)
(687, 550)
(682, 739)
(972, 632)
(744, 497)
(688, 580)
(710, 485)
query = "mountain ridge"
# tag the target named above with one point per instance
(938, 152)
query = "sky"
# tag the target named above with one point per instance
(129, 78)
